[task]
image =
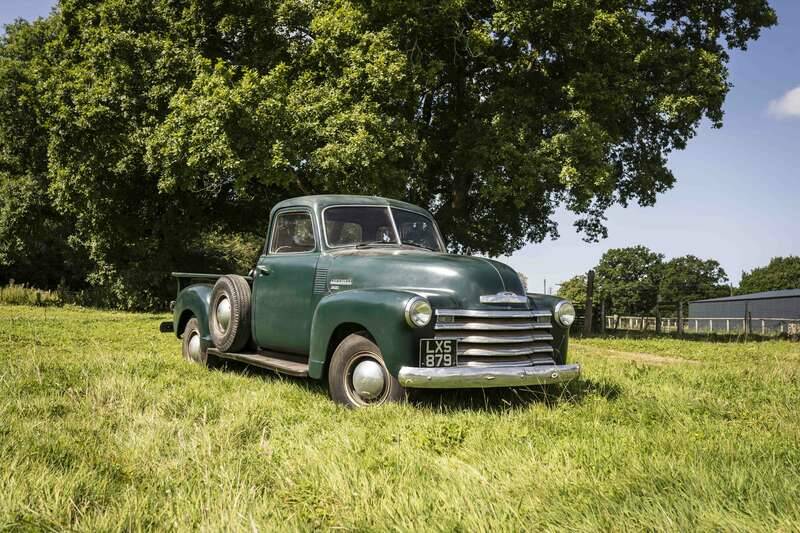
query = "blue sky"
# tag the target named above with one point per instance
(737, 188)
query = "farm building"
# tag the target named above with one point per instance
(772, 304)
(767, 311)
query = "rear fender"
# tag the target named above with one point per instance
(380, 312)
(193, 301)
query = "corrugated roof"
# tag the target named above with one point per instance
(786, 293)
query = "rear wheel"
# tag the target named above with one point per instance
(229, 313)
(194, 348)
(357, 376)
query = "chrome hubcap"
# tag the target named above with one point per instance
(224, 313)
(195, 350)
(368, 380)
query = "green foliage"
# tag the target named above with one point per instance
(104, 427)
(688, 278)
(780, 273)
(632, 280)
(34, 238)
(132, 127)
(629, 278)
(574, 289)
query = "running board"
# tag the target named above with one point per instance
(268, 360)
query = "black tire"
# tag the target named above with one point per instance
(234, 335)
(354, 349)
(194, 348)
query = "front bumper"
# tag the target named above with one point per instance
(461, 377)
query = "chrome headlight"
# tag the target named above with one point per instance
(564, 313)
(418, 312)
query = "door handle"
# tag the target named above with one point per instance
(263, 270)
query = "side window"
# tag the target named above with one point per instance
(293, 232)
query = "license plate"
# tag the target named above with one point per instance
(438, 352)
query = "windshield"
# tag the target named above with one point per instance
(416, 229)
(368, 225)
(346, 226)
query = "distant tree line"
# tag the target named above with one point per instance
(143, 136)
(780, 273)
(633, 280)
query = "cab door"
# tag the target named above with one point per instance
(283, 283)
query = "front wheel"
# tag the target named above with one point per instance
(357, 376)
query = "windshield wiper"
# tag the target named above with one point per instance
(418, 245)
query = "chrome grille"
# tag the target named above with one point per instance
(501, 338)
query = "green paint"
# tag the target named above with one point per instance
(282, 307)
(289, 315)
(193, 301)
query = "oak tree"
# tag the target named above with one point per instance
(161, 121)
(628, 279)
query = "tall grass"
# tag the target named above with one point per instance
(99, 298)
(21, 295)
(104, 427)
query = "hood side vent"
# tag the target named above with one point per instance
(321, 281)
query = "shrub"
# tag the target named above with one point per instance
(22, 295)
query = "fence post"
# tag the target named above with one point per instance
(658, 315)
(763, 327)
(711, 325)
(603, 316)
(588, 311)
(745, 322)
(728, 326)
(680, 319)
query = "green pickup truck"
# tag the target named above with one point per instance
(361, 292)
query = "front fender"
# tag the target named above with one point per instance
(193, 300)
(559, 332)
(380, 312)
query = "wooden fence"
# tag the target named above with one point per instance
(730, 326)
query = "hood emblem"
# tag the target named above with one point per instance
(339, 283)
(504, 297)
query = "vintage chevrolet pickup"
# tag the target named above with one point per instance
(360, 291)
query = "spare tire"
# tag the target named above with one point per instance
(229, 313)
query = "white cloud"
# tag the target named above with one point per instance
(787, 106)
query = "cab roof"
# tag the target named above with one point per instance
(321, 201)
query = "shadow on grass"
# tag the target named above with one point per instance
(311, 385)
(503, 399)
(486, 400)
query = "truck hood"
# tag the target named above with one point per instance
(448, 280)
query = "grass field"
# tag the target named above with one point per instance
(103, 427)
